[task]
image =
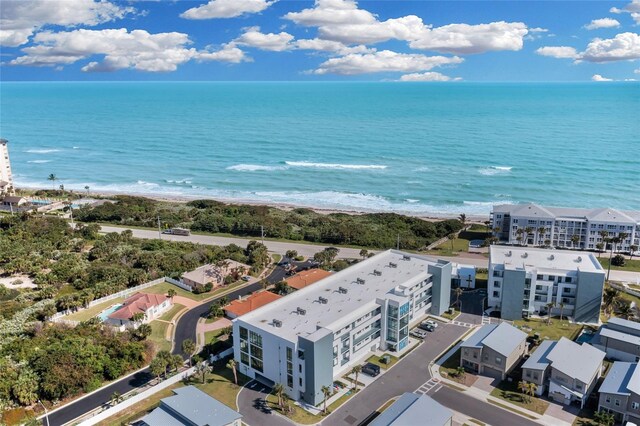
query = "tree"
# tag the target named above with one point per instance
(549, 307)
(460, 371)
(364, 253)
(618, 260)
(171, 293)
(632, 249)
(264, 283)
(232, 364)
(278, 390)
(609, 298)
(603, 418)
(541, 231)
(600, 247)
(487, 224)
(523, 387)
(528, 231)
(176, 362)
(532, 389)
(624, 309)
(451, 237)
(519, 233)
(202, 369)
(357, 369)
(115, 398)
(188, 348)
(86, 188)
(215, 310)
(575, 239)
(158, 367)
(25, 388)
(326, 391)
(463, 219)
(53, 178)
(137, 317)
(561, 306)
(458, 292)
(291, 254)
(282, 288)
(142, 332)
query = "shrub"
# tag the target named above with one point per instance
(618, 260)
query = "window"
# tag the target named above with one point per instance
(528, 374)
(244, 358)
(466, 352)
(299, 368)
(496, 284)
(300, 381)
(535, 376)
(255, 339)
(616, 402)
(496, 294)
(498, 360)
(243, 333)
(635, 405)
(608, 399)
(566, 290)
(567, 279)
(300, 354)
(256, 364)
(540, 277)
(289, 381)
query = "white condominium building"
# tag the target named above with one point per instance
(531, 224)
(6, 180)
(525, 281)
(307, 338)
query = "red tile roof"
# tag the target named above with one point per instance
(305, 278)
(138, 303)
(246, 305)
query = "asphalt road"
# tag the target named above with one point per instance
(254, 410)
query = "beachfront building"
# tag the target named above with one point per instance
(6, 179)
(463, 276)
(413, 409)
(151, 306)
(245, 304)
(620, 392)
(305, 278)
(308, 337)
(525, 281)
(192, 407)
(566, 370)
(214, 274)
(620, 339)
(534, 225)
(493, 350)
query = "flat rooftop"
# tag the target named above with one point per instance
(568, 213)
(410, 270)
(553, 260)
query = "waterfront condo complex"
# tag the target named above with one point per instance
(525, 281)
(531, 224)
(309, 337)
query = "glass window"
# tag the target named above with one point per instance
(290, 354)
(243, 333)
(255, 339)
(607, 398)
(256, 364)
(244, 358)
(635, 405)
(617, 402)
(498, 360)
(290, 381)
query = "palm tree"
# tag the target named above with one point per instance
(632, 249)
(528, 231)
(575, 239)
(115, 398)
(460, 371)
(355, 371)
(541, 231)
(609, 299)
(624, 310)
(463, 219)
(604, 418)
(188, 347)
(549, 306)
(364, 253)
(232, 365)
(458, 292)
(532, 388)
(171, 293)
(524, 388)
(519, 233)
(561, 306)
(487, 224)
(600, 247)
(326, 391)
(451, 237)
(143, 331)
(53, 178)
(622, 236)
(86, 188)
(202, 368)
(278, 390)
(176, 362)
(137, 317)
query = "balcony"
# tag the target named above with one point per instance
(366, 335)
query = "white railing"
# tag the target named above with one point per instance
(57, 317)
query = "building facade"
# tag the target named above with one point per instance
(620, 392)
(534, 225)
(525, 281)
(151, 306)
(620, 339)
(6, 178)
(309, 337)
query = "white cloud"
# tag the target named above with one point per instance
(598, 77)
(636, 71)
(602, 23)
(20, 19)
(428, 76)
(331, 46)
(624, 46)
(274, 42)
(137, 49)
(343, 21)
(558, 52)
(226, 9)
(632, 8)
(383, 61)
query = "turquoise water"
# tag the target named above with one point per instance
(105, 314)
(412, 148)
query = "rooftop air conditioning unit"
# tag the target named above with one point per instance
(552, 257)
(359, 280)
(342, 290)
(301, 311)
(393, 265)
(525, 255)
(579, 259)
(323, 300)
(406, 257)
(277, 323)
(377, 273)
(508, 253)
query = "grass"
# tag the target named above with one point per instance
(158, 335)
(508, 391)
(164, 287)
(276, 257)
(449, 316)
(87, 314)
(168, 316)
(629, 265)
(553, 331)
(297, 414)
(374, 359)
(506, 407)
(585, 417)
(219, 384)
(635, 287)
(444, 249)
(208, 335)
(448, 368)
(140, 409)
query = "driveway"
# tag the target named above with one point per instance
(252, 405)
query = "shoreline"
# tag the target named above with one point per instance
(430, 217)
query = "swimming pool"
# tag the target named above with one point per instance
(105, 314)
(41, 202)
(586, 335)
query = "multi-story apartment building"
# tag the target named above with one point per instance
(6, 179)
(531, 224)
(525, 281)
(307, 338)
(620, 392)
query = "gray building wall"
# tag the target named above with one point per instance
(620, 409)
(618, 349)
(441, 289)
(512, 294)
(530, 374)
(467, 354)
(588, 297)
(318, 363)
(633, 414)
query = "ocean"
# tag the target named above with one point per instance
(414, 148)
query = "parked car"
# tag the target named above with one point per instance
(428, 325)
(432, 323)
(418, 333)
(371, 369)
(246, 278)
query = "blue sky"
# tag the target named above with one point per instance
(250, 40)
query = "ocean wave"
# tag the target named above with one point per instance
(178, 182)
(335, 165)
(494, 170)
(478, 203)
(254, 168)
(42, 151)
(76, 147)
(421, 169)
(145, 183)
(39, 161)
(411, 200)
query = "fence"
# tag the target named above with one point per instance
(624, 289)
(221, 355)
(124, 293)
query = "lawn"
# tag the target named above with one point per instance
(168, 316)
(585, 417)
(553, 331)
(276, 257)
(208, 335)
(140, 409)
(87, 314)
(164, 287)
(448, 368)
(219, 384)
(508, 391)
(452, 316)
(297, 414)
(629, 265)
(635, 287)
(444, 249)
(158, 335)
(374, 359)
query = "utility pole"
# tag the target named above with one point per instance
(46, 413)
(262, 233)
(159, 230)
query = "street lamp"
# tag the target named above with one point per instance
(46, 413)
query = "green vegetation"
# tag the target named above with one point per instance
(168, 316)
(378, 230)
(449, 368)
(629, 265)
(158, 336)
(552, 331)
(379, 361)
(451, 316)
(163, 288)
(140, 409)
(509, 392)
(87, 314)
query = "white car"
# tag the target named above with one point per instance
(419, 334)
(432, 323)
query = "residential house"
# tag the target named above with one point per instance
(413, 410)
(191, 407)
(566, 370)
(214, 274)
(620, 392)
(305, 278)
(620, 339)
(463, 276)
(150, 305)
(493, 350)
(246, 304)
